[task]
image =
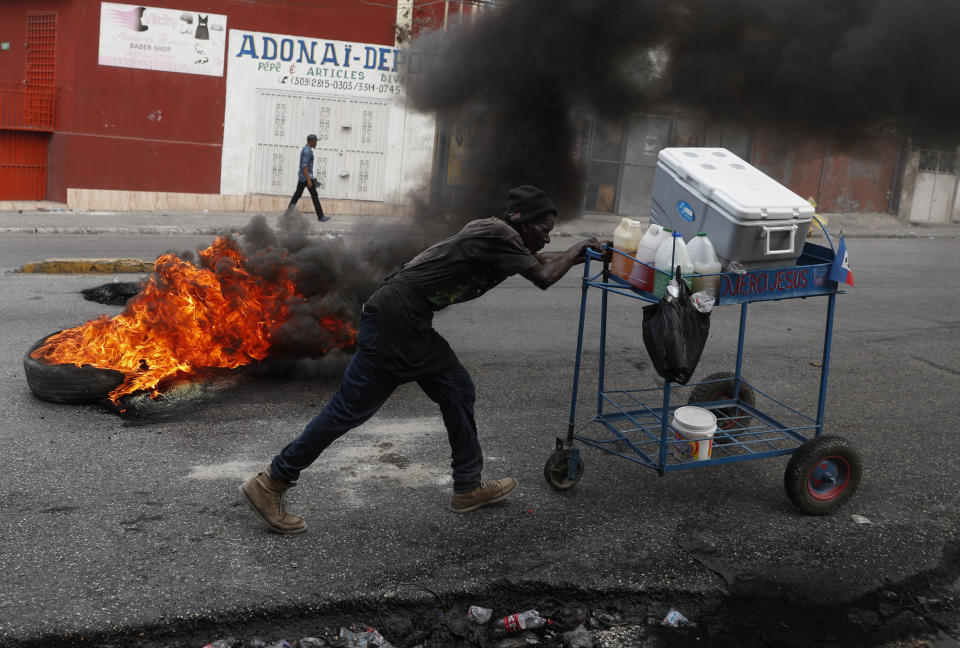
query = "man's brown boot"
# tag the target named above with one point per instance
(264, 495)
(485, 493)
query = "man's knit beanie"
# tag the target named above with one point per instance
(527, 203)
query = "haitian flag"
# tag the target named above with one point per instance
(840, 270)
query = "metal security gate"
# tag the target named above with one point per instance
(351, 144)
(937, 191)
(23, 165)
(28, 114)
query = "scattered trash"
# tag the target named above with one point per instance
(229, 642)
(578, 638)
(282, 644)
(859, 519)
(479, 614)
(816, 364)
(312, 642)
(361, 636)
(521, 621)
(675, 619)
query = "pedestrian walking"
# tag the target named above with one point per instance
(397, 344)
(305, 178)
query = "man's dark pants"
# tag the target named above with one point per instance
(313, 196)
(361, 393)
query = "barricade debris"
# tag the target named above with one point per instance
(361, 636)
(555, 625)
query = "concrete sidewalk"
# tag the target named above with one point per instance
(51, 218)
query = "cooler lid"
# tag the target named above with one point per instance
(741, 189)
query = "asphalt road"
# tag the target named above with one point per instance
(18, 249)
(114, 524)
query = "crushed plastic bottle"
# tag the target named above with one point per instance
(362, 636)
(312, 642)
(479, 614)
(675, 619)
(703, 301)
(736, 268)
(515, 623)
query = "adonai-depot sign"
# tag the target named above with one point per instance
(310, 64)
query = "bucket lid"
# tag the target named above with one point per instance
(695, 419)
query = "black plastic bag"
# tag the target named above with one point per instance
(675, 332)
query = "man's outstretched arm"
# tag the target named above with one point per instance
(551, 266)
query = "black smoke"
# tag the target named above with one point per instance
(522, 75)
(523, 72)
(334, 274)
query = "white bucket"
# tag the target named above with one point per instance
(693, 429)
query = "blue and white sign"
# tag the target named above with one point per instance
(685, 211)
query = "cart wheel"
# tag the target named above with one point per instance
(822, 475)
(557, 469)
(728, 418)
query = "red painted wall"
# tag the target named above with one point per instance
(429, 15)
(146, 130)
(13, 30)
(855, 175)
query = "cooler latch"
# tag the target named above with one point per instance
(779, 239)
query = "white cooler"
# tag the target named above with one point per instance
(748, 216)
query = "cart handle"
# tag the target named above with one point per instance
(823, 229)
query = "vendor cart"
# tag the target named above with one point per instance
(636, 424)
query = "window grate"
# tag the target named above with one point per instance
(938, 161)
(41, 49)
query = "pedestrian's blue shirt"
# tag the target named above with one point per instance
(306, 160)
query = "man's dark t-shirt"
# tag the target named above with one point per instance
(458, 269)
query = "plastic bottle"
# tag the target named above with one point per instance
(671, 253)
(625, 238)
(518, 622)
(479, 614)
(705, 262)
(641, 277)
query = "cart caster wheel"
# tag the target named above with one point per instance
(557, 469)
(822, 475)
(728, 418)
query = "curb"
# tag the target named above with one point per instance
(86, 266)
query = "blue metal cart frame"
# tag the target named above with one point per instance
(635, 423)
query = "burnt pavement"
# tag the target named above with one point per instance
(126, 528)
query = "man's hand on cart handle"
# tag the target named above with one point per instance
(597, 245)
(594, 244)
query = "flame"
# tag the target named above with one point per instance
(187, 319)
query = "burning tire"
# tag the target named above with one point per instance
(67, 383)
